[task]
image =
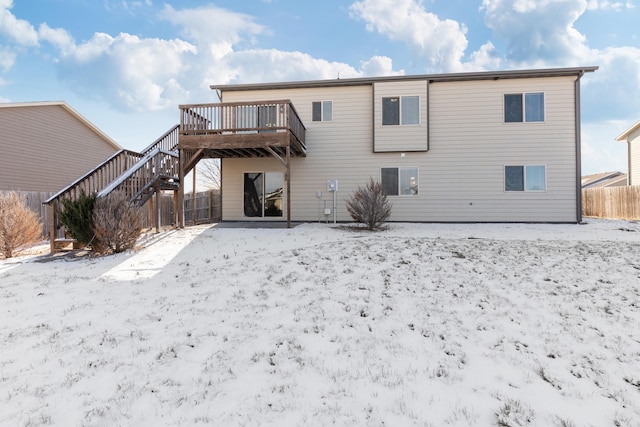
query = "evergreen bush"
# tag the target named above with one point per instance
(77, 217)
(369, 205)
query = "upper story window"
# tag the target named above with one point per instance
(524, 107)
(400, 110)
(322, 111)
(400, 181)
(525, 178)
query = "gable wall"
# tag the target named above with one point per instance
(45, 148)
(460, 177)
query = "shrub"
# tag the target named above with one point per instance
(19, 225)
(369, 205)
(117, 224)
(77, 217)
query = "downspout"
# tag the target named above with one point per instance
(578, 151)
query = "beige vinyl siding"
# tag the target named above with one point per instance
(340, 149)
(461, 177)
(634, 158)
(402, 137)
(471, 144)
(44, 148)
(333, 150)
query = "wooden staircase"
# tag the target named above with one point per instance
(138, 175)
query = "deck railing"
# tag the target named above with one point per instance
(157, 164)
(111, 169)
(241, 118)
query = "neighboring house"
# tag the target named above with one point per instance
(465, 147)
(632, 137)
(605, 179)
(47, 145)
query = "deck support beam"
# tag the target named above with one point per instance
(288, 178)
(52, 225)
(180, 198)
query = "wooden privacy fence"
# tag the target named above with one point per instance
(612, 202)
(208, 208)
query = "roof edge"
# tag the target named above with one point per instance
(73, 112)
(624, 135)
(448, 77)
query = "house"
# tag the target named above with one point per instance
(463, 147)
(632, 137)
(605, 179)
(47, 145)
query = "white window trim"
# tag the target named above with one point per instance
(524, 178)
(417, 168)
(322, 120)
(524, 113)
(400, 110)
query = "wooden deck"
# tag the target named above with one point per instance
(241, 129)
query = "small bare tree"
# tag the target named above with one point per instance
(210, 170)
(19, 225)
(369, 205)
(117, 224)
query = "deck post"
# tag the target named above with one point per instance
(194, 201)
(52, 226)
(288, 187)
(180, 202)
(156, 211)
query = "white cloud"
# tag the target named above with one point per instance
(21, 31)
(249, 66)
(540, 30)
(441, 43)
(58, 37)
(213, 26)
(379, 66)
(486, 57)
(609, 5)
(7, 58)
(139, 74)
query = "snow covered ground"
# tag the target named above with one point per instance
(421, 324)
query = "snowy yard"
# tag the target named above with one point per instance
(422, 324)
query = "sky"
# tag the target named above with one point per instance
(126, 65)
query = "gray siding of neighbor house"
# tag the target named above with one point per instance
(461, 176)
(45, 148)
(634, 158)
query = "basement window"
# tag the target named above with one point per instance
(400, 181)
(525, 178)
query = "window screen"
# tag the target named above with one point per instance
(410, 110)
